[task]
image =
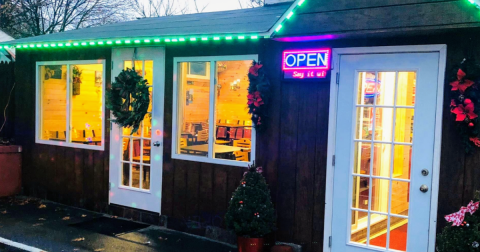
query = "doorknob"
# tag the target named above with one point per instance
(424, 188)
(157, 144)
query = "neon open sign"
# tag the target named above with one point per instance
(306, 64)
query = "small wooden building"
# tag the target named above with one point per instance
(360, 149)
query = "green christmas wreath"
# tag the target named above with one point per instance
(128, 99)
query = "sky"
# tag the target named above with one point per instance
(213, 5)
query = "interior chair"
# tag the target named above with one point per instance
(243, 143)
(202, 136)
(239, 134)
(242, 155)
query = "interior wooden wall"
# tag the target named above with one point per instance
(7, 81)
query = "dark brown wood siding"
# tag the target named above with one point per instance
(71, 176)
(7, 99)
(316, 17)
(292, 151)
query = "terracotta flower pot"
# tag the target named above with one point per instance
(250, 244)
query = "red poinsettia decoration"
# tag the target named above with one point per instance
(255, 99)
(254, 69)
(475, 140)
(464, 112)
(461, 84)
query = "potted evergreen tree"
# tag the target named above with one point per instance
(250, 213)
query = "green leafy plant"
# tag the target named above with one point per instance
(251, 213)
(463, 238)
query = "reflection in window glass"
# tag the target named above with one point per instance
(86, 110)
(53, 81)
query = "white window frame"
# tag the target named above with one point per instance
(176, 133)
(38, 110)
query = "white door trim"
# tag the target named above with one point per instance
(336, 52)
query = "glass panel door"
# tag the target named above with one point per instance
(384, 137)
(136, 159)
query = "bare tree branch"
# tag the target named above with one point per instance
(36, 17)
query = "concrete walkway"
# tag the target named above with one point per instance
(48, 226)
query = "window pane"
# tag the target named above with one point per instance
(53, 81)
(193, 110)
(380, 190)
(404, 125)
(233, 130)
(136, 175)
(360, 194)
(362, 158)
(366, 88)
(406, 88)
(86, 98)
(125, 174)
(364, 129)
(386, 88)
(400, 197)
(146, 177)
(358, 229)
(398, 233)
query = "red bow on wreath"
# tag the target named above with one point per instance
(466, 111)
(460, 84)
(458, 217)
(255, 99)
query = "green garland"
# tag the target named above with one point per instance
(128, 99)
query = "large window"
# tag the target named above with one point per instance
(211, 114)
(70, 104)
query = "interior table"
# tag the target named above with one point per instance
(217, 148)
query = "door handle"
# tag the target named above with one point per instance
(424, 188)
(157, 144)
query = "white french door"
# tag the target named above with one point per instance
(384, 152)
(136, 159)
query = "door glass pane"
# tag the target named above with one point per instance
(406, 88)
(386, 88)
(136, 150)
(364, 129)
(139, 67)
(400, 197)
(86, 85)
(125, 174)
(126, 149)
(398, 233)
(136, 175)
(404, 125)
(384, 124)
(361, 186)
(193, 109)
(149, 71)
(378, 230)
(53, 81)
(146, 177)
(382, 159)
(380, 189)
(366, 88)
(362, 158)
(358, 231)
(233, 125)
(147, 147)
(402, 161)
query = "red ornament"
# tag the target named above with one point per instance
(241, 202)
(467, 101)
(470, 124)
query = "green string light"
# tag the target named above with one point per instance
(136, 41)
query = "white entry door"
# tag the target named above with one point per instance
(385, 135)
(136, 159)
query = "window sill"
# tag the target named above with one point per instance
(211, 160)
(72, 145)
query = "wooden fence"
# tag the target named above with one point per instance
(7, 97)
